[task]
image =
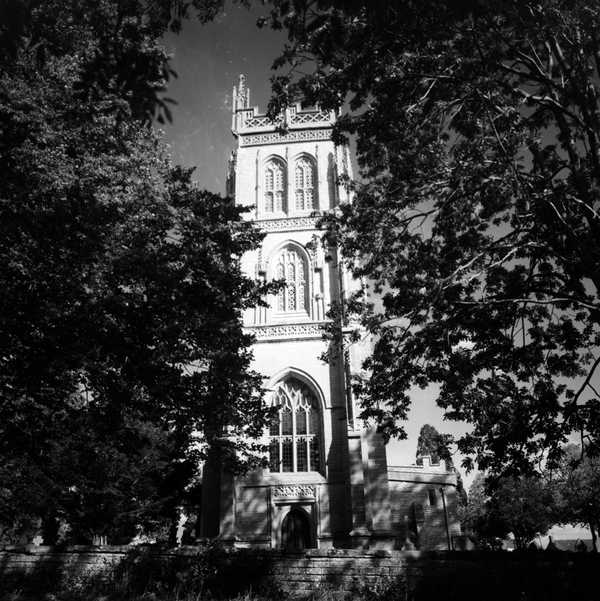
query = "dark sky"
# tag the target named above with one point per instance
(209, 59)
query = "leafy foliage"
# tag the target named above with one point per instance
(475, 215)
(577, 489)
(521, 506)
(437, 446)
(122, 357)
(434, 444)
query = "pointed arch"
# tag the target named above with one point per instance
(297, 530)
(296, 431)
(305, 183)
(303, 376)
(290, 262)
(274, 185)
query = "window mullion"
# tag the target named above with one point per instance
(285, 289)
(304, 188)
(294, 438)
(280, 441)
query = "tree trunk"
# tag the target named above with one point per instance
(50, 528)
(593, 531)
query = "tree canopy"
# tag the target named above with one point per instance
(434, 444)
(521, 506)
(122, 356)
(576, 483)
(475, 213)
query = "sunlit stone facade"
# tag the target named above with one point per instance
(328, 483)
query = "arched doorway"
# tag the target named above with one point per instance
(296, 531)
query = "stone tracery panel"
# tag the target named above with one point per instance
(294, 491)
(275, 200)
(304, 135)
(295, 432)
(287, 224)
(295, 330)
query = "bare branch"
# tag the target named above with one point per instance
(550, 301)
(586, 382)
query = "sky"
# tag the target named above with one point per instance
(209, 59)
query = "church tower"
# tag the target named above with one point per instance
(326, 484)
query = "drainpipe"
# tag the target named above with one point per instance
(446, 518)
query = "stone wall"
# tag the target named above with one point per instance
(418, 506)
(418, 576)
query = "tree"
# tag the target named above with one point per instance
(475, 517)
(434, 444)
(475, 213)
(577, 487)
(437, 446)
(521, 506)
(122, 356)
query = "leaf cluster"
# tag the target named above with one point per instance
(521, 506)
(122, 356)
(475, 214)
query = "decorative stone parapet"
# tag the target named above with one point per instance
(249, 120)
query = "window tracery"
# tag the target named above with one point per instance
(275, 198)
(291, 267)
(294, 433)
(305, 178)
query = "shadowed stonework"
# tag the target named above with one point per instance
(411, 576)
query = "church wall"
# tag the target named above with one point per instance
(252, 514)
(417, 506)
(250, 160)
(262, 506)
(349, 500)
(331, 508)
(376, 483)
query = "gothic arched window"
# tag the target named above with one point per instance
(291, 267)
(294, 434)
(275, 200)
(305, 176)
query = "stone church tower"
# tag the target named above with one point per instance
(327, 482)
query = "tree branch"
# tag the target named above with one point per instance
(586, 382)
(551, 301)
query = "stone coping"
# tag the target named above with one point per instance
(403, 474)
(193, 550)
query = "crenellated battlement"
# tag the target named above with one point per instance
(249, 120)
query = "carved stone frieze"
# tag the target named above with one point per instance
(303, 135)
(294, 491)
(288, 224)
(292, 330)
